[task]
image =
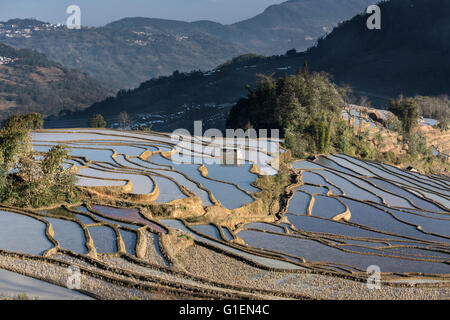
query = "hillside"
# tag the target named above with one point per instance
(408, 56)
(291, 24)
(117, 56)
(31, 82)
(127, 52)
(380, 64)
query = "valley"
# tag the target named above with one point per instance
(171, 226)
(295, 155)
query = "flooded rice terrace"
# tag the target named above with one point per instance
(343, 216)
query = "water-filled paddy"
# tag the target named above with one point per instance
(13, 284)
(89, 144)
(168, 190)
(85, 219)
(314, 251)
(127, 214)
(375, 218)
(93, 182)
(227, 234)
(317, 179)
(372, 192)
(340, 229)
(129, 239)
(326, 207)
(299, 203)
(239, 175)
(19, 233)
(227, 194)
(313, 189)
(350, 189)
(69, 235)
(176, 224)
(104, 239)
(265, 226)
(141, 184)
(208, 230)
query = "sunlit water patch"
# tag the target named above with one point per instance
(19, 233)
(69, 235)
(141, 184)
(129, 239)
(13, 284)
(127, 214)
(326, 207)
(314, 251)
(264, 226)
(104, 239)
(299, 203)
(176, 224)
(208, 230)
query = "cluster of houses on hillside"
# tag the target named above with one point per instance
(6, 60)
(26, 31)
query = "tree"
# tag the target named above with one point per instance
(348, 94)
(24, 180)
(30, 121)
(322, 134)
(302, 106)
(291, 52)
(443, 125)
(392, 122)
(434, 107)
(54, 159)
(124, 120)
(305, 68)
(145, 128)
(97, 122)
(408, 111)
(15, 140)
(364, 101)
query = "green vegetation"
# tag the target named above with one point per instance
(407, 111)
(97, 121)
(376, 63)
(307, 108)
(443, 125)
(145, 128)
(274, 188)
(127, 52)
(34, 83)
(434, 107)
(377, 66)
(24, 180)
(30, 121)
(19, 297)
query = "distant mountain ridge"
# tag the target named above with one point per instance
(31, 82)
(291, 24)
(408, 56)
(127, 52)
(116, 56)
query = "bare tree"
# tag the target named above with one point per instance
(124, 120)
(348, 94)
(363, 101)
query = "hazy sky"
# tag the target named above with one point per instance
(101, 12)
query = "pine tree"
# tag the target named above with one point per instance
(97, 121)
(305, 68)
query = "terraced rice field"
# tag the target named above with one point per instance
(349, 214)
(340, 217)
